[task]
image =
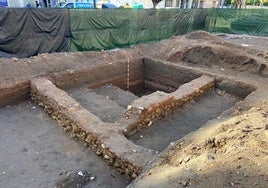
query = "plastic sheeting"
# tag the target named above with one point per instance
(99, 29)
(116, 28)
(188, 20)
(96, 30)
(238, 21)
(27, 32)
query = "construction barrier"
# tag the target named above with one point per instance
(27, 32)
(106, 29)
(238, 21)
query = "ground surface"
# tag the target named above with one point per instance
(35, 152)
(232, 151)
(259, 43)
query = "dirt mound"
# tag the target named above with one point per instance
(200, 35)
(221, 57)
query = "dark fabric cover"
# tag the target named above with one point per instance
(27, 32)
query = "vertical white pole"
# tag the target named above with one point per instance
(128, 73)
(190, 3)
(174, 2)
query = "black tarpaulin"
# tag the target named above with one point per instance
(27, 32)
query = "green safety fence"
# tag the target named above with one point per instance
(106, 29)
(238, 21)
(188, 20)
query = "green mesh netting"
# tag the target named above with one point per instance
(106, 29)
(238, 21)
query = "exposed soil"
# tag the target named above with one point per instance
(35, 152)
(229, 151)
(113, 98)
(94, 103)
(185, 120)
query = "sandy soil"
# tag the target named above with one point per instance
(231, 151)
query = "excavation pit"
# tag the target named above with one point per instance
(158, 95)
(125, 107)
(108, 95)
(152, 79)
(185, 120)
(141, 76)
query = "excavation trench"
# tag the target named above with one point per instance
(147, 102)
(126, 111)
(97, 119)
(184, 120)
